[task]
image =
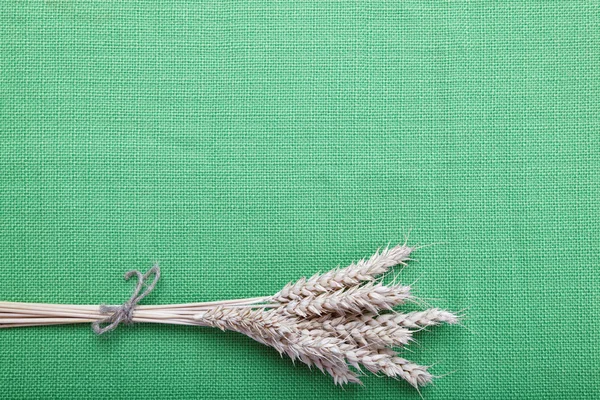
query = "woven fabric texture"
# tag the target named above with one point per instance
(244, 144)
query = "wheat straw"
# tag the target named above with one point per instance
(342, 321)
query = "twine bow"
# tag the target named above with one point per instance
(124, 313)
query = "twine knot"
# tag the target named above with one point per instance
(124, 312)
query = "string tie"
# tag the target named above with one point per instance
(124, 312)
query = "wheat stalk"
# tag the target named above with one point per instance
(353, 275)
(370, 297)
(342, 321)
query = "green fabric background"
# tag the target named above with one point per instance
(243, 144)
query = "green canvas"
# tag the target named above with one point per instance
(244, 144)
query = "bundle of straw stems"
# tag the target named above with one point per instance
(341, 321)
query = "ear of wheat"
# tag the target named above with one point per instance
(342, 322)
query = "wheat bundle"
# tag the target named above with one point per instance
(340, 322)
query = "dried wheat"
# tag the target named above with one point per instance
(363, 271)
(341, 321)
